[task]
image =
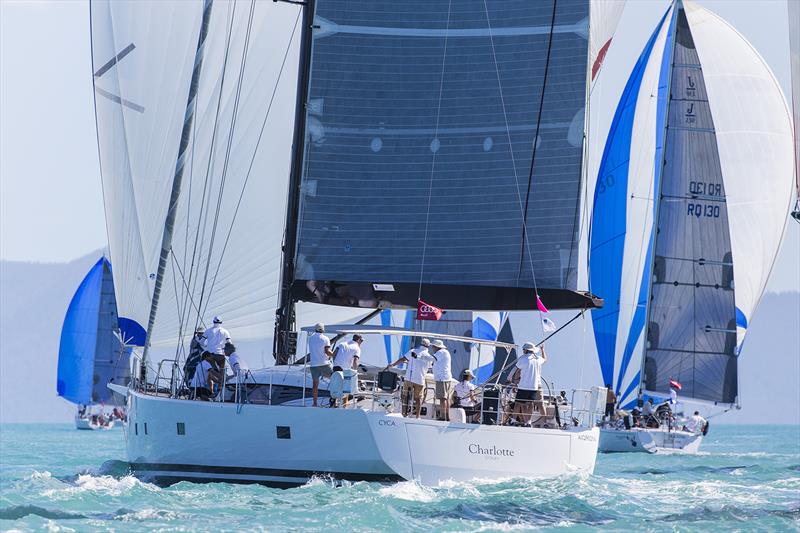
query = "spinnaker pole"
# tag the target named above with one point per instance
(169, 223)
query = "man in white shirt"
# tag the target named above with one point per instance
(348, 353)
(319, 347)
(696, 423)
(529, 373)
(215, 339)
(466, 396)
(648, 414)
(419, 362)
(443, 376)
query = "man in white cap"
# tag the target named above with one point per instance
(319, 347)
(529, 373)
(216, 338)
(443, 376)
(419, 361)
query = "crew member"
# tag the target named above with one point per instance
(443, 376)
(611, 401)
(465, 393)
(529, 371)
(203, 380)
(235, 361)
(195, 354)
(348, 353)
(216, 337)
(419, 361)
(696, 423)
(320, 354)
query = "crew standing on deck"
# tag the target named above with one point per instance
(320, 355)
(419, 361)
(611, 401)
(195, 354)
(529, 371)
(444, 377)
(348, 353)
(216, 337)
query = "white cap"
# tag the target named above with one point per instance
(425, 342)
(217, 319)
(319, 327)
(438, 343)
(530, 347)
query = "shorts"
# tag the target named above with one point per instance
(321, 371)
(444, 389)
(528, 395)
(219, 361)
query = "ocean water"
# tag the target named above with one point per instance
(747, 478)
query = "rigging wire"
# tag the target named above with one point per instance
(224, 177)
(433, 160)
(255, 152)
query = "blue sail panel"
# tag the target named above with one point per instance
(79, 339)
(609, 218)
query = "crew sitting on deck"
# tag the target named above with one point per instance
(419, 361)
(320, 358)
(443, 376)
(649, 414)
(464, 396)
(696, 423)
(204, 378)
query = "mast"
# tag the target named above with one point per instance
(169, 223)
(677, 5)
(285, 314)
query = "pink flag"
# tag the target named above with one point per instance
(540, 305)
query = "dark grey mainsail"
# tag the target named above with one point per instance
(691, 334)
(420, 172)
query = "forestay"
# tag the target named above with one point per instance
(725, 187)
(226, 244)
(420, 127)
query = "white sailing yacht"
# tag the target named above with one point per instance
(691, 201)
(331, 159)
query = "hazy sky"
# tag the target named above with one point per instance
(50, 192)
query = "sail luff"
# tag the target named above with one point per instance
(794, 60)
(169, 223)
(676, 7)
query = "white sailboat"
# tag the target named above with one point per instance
(437, 155)
(703, 128)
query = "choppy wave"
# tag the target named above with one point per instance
(755, 487)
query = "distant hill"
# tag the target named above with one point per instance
(33, 301)
(34, 298)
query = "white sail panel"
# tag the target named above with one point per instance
(604, 18)
(754, 137)
(142, 56)
(229, 226)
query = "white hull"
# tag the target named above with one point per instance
(226, 442)
(649, 441)
(86, 424)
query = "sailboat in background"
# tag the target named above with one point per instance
(703, 128)
(91, 353)
(408, 177)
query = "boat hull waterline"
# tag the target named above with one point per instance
(170, 440)
(660, 441)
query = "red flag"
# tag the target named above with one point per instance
(540, 305)
(675, 384)
(427, 311)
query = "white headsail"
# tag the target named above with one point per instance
(605, 15)
(226, 242)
